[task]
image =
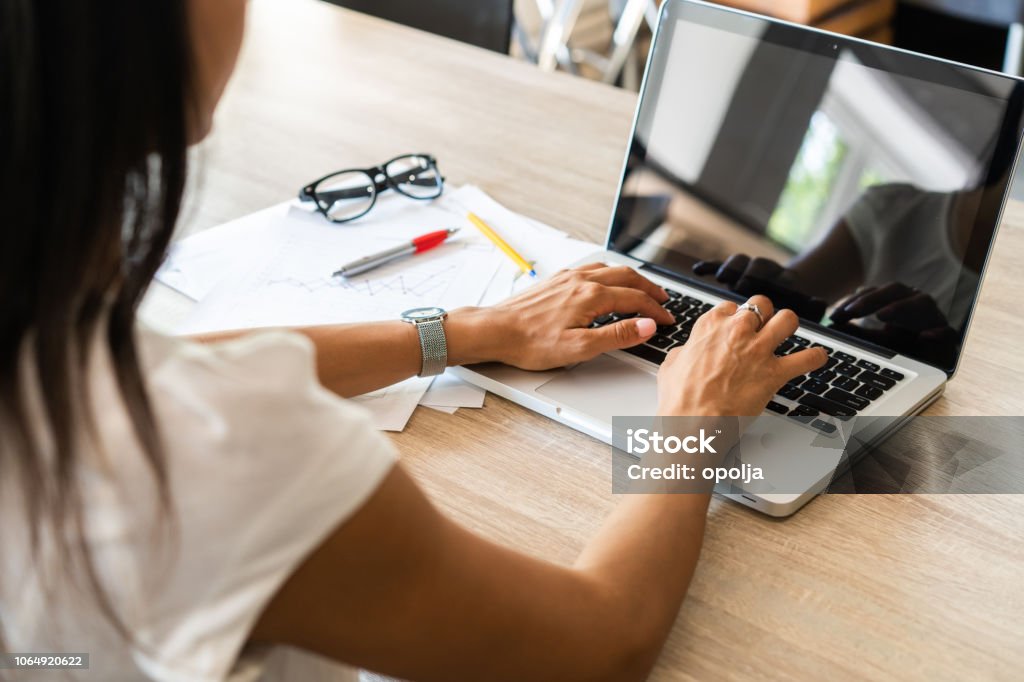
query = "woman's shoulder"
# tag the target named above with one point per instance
(252, 396)
(278, 352)
(263, 463)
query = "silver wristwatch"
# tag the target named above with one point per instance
(430, 325)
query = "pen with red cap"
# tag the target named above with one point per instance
(418, 245)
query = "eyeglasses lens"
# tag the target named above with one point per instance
(346, 195)
(415, 176)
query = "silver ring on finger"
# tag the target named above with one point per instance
(752, 307)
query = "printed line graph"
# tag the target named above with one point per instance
(422, 283)
(294, 286)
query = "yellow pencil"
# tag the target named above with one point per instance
(503, 245)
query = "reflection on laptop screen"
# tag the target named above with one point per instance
(857, 185)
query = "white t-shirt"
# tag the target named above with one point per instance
(263, 464)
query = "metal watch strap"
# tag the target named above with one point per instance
(434, 347)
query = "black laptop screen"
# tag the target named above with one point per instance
(858, 185)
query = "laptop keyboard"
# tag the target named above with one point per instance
(843, 387)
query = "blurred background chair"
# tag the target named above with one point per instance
(987, 33)
(608, 39)
(618, 61)
(628, 39)
(484, 23)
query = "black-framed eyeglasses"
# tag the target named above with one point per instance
(349, 194)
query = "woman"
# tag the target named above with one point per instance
(179, 510)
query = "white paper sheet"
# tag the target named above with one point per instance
(294, 286)
(393, 406)
(196, 265)
(273, 269)
(450, 391)
(439, 408)
(548, 249)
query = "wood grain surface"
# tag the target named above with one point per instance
(852, 587)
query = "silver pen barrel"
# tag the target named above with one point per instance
(375, 260)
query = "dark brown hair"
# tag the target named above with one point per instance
(94, 118)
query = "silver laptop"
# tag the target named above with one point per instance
(859, 185)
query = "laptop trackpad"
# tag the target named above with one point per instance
(604, 388)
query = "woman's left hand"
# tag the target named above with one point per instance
(548, 325)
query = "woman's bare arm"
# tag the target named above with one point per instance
(401, 589)
(548, 326)
(353, 359)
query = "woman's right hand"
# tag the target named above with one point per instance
(729, 367)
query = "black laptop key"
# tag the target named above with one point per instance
(626, 316)
(790, 392)
(869, 366)
(825, 375)
(704, 307)
(799, 341)
(661, 342)
(821, 345)
(843, 357)
(847, 384)
(681, 335)
(869, 392)
(876, 380)
(816, 386)
(831, 363)
(827, 406)
(891, 374)
(854, 402)
(647, 353)
(604, 319)
(691, 301)
(796, 381)
(778, 408)
(673, 294)
(784, 347)
(823, 426)
(847, 370)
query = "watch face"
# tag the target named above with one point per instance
(423, 313)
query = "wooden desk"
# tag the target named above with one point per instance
(852, 587)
